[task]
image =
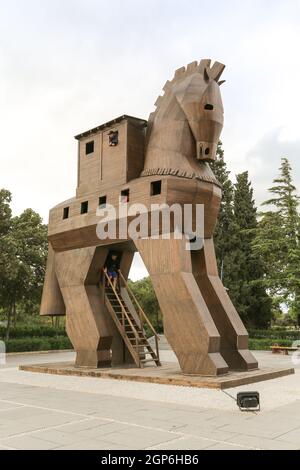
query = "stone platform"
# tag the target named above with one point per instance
(168, 374)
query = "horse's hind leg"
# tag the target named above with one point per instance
(234, 337)
(188, 325)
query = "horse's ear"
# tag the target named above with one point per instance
(206, 74)
(216, 71)
(221, 82)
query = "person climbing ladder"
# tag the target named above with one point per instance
(112, 266)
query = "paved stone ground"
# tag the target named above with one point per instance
(40, 411)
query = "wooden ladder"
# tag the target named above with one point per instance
(131, 326)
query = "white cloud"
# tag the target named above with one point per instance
(264, 161)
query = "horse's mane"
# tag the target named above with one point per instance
(203, 67)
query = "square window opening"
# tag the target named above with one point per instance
(113, 138)
(66, 212)
(125, 196)
(84, 207)
(102, 202)
(89, 147)
(155, 188)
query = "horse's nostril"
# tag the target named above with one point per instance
(207, 151)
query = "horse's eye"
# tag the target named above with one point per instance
(208, 106)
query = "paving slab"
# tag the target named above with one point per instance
(8, 406)
(28, 443)
(57, 437)
(290, 437)
(225, 446)
(20, 412)
(91, 444)
(103, 430)
(264, 426)
(262, 443)
(139, 438)
(184, 443)
(206, 431)
(72, 412)
(83, 425)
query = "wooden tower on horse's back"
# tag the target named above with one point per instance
(162, 161)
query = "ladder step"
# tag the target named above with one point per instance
(120, 318)
(117, 304)
(133, 339)
(130, 327)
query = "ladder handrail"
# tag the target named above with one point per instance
(139, 306)
(123, 309)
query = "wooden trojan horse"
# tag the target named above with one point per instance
(163, 161)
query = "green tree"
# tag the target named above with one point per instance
(144, 292)
(277, 240)
(30, 236)
(8, 254)
(224, 234)
(23, 249)
(5, 212)
(247, 291)
(240, 268)
(5, 226)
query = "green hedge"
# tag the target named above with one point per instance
(33, 331)
(275, 334)
(38, 344)
(265, 344)
(63, 342)
(46, 338)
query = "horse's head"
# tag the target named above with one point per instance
(197, 90)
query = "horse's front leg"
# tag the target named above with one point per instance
(234, 337)
(188, 325)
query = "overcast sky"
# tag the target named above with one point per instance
(68, 65)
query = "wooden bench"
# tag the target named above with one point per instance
(276, 349)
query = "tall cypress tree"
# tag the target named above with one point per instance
(241, 269)
(5, 226)
(278, 240)
(247, 291)
(224, 233)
